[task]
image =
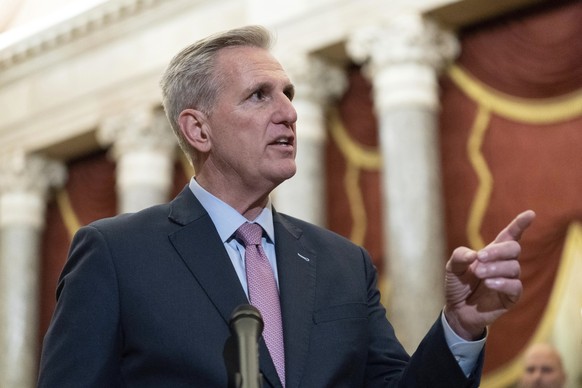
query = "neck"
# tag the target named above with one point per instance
(248, 202)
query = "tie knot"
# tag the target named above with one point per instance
(250, 233)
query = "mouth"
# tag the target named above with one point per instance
(285, 141)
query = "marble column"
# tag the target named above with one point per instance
(143, 146)
(402, 58)
(316, 83)
(24, 185)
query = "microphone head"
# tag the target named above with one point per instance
(247, 313)
(246, 326)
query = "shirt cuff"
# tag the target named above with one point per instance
(465, 352)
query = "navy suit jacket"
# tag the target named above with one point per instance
(145, 299)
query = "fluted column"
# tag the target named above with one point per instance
(402, 58)
(144, 149)
(316, 83)
(24, 185)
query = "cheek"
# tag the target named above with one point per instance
(244, 136)
(245, 148)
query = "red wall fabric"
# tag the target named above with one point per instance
(534, 55)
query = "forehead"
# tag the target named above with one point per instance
(542, 357)
(249, 62)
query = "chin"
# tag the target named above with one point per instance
(283, 176)
(278, 172)
(291, 173)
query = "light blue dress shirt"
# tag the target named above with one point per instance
(227, 220)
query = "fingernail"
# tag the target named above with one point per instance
(482, 255)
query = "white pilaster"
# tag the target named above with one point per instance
(144, 149)
(24, 185)
(316, 83)
(402, 58)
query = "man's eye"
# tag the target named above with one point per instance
(258, 95)
(290, 93)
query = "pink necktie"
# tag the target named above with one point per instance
(263, 292)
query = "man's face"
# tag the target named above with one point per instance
(252, 124)
(543, 369)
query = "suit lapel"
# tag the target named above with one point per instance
(203, 252)
(297, 269)
(201, 249)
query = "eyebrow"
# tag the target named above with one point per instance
(258, 86)
(289, 89)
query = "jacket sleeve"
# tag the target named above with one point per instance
(431, 366)
(82, 346)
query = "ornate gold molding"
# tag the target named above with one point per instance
(357, 157)
(484, 176)
(525, 110)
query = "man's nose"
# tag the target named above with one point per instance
(286, 112)
(536, 374)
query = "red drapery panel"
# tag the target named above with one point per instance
(533, 55)
(533, 162)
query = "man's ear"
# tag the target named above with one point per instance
(194, 127)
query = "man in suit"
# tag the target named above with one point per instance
(145, 299)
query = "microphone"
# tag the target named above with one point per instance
(246, 324)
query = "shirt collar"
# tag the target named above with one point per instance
(225, 218)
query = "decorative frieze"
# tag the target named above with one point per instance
(70, 29)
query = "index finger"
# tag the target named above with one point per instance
(515, 229)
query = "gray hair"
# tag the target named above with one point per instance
(190, 80)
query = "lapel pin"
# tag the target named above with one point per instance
(303, 257)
